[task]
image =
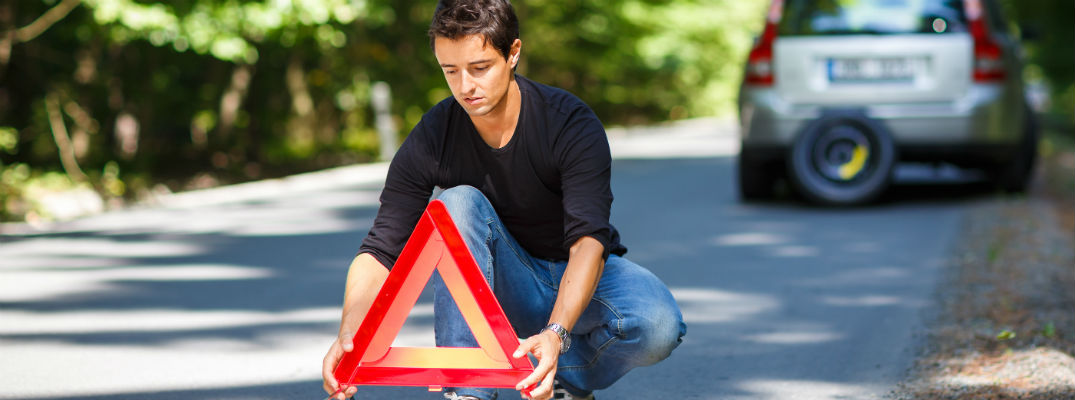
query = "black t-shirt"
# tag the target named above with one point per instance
(549, 184)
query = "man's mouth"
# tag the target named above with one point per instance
(472, 100)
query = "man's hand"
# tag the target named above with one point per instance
(343, 344)
(583, 271)
(364, 280)
(546, 347)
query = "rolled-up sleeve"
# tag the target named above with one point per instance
(586, 170)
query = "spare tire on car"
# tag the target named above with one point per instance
(842, 158)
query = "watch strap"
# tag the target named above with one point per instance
(562, 333)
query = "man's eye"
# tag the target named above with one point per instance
(449, 72)
(481, 68)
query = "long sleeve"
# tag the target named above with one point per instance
(586, 170)
(406, 193)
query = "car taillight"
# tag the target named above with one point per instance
(760, 62)
(988, 56)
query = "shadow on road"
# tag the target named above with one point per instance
(782, 299)
(175, 298)
(297, 390)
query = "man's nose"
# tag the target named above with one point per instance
(468, 83)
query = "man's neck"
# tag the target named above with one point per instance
(498, 126)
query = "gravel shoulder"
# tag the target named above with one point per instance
(1005, 325)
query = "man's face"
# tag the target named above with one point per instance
(477, 73)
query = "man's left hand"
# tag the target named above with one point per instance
(545, 346)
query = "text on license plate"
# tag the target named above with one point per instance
(870, 70)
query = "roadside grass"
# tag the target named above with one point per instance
(1006, 324)
(1058, 164)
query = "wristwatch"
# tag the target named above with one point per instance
(565, 336)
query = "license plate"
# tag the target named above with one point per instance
(849, 70)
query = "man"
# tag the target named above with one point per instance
(527, 170)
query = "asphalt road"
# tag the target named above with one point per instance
(234, 294)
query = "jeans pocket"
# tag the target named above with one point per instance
(605, 329)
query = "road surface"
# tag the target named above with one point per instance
(234, 293)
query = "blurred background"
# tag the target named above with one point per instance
(120, 99)
(234, 292)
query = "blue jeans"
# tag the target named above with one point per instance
(632, 321)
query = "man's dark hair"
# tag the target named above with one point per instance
(494, 20)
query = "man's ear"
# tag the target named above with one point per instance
(516, 51)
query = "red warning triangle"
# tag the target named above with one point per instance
(434, 244)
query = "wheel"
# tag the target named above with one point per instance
(842, 158)
(1015, 176)
(755, 178)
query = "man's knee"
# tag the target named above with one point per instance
(464, 193)
(652, 322)
(464, 203)
(462, 196)
(655, 333)
(660, 335)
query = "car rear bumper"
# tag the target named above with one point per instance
(980, 118)
(973, 155)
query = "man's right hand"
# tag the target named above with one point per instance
(364, 280)
(343, 344)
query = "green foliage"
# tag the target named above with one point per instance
(228, 30)
(10, 175)
(641, 60)
(21, 189)
(9, 138)
(1049, 330)
(1049, 27)
(246, 89)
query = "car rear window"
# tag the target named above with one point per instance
(871, 17)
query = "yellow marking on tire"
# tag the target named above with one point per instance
(854, 166)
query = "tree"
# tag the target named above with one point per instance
(1049, 29)
(122, 95)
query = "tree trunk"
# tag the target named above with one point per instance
(46, 20)
(301, 125)
(7, 34)
(63, 141)
(232, 100)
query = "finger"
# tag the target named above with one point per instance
(542, 374)
(530, 380)
(547, 383)
(546, 363)
(327, 367)
(542, 391)
(328, 383)
(328, 388)
(347, 393)
(347, 341)
(525, 347)
(338, 395)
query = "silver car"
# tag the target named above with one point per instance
(836, 92)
